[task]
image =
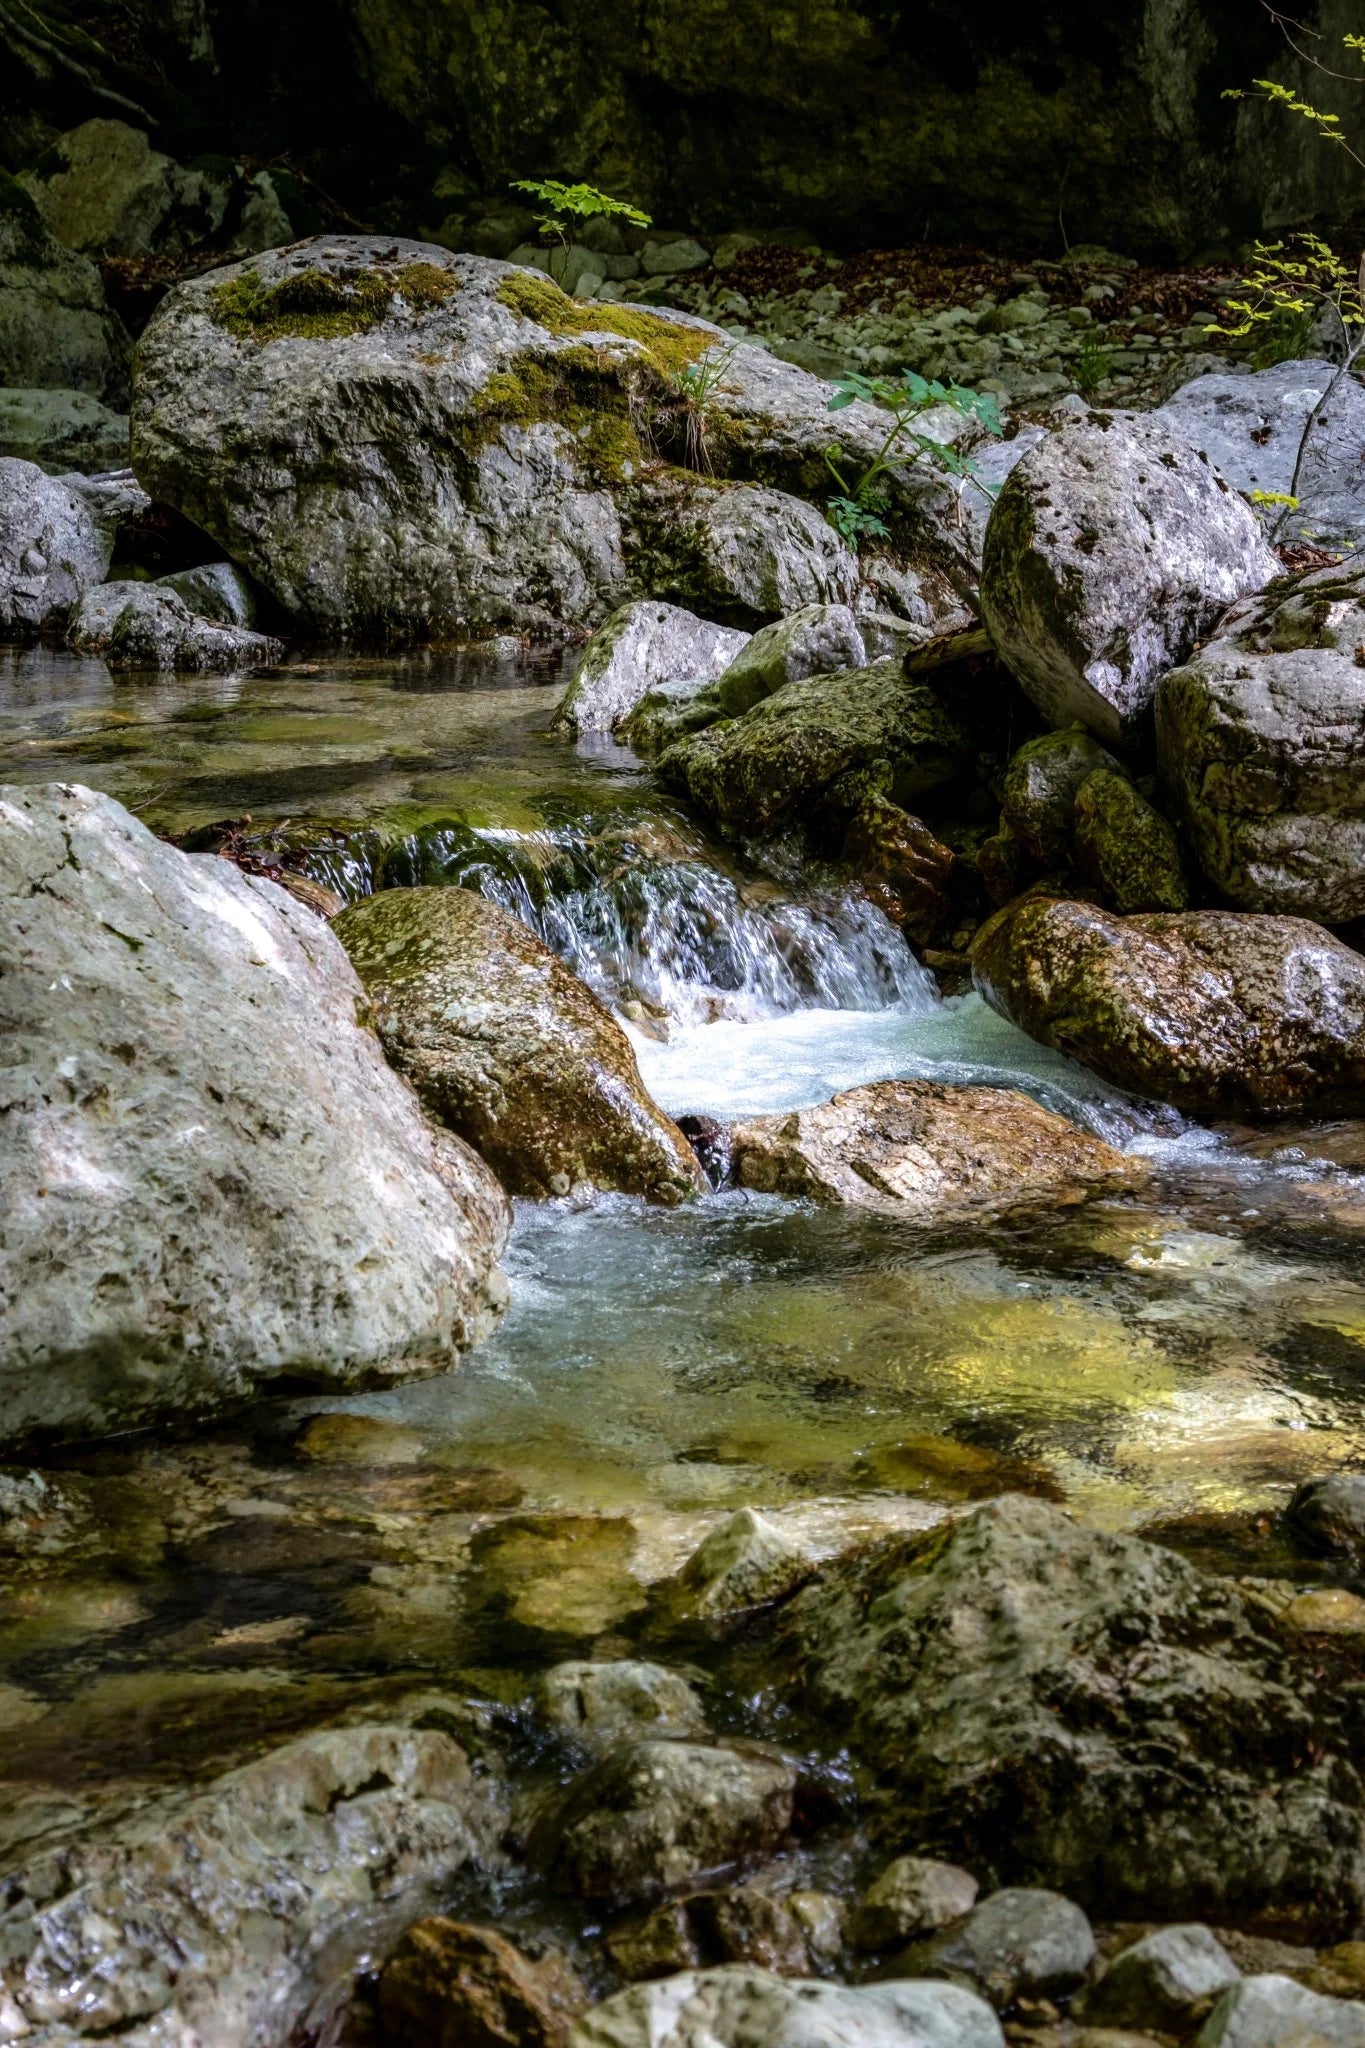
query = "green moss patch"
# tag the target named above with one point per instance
(578, 390)
(667, 345)
(322, 305)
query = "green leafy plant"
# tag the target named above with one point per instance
(1287, 289)
(696, 385)
(1094, 366)
(568, 207)
(857, 511)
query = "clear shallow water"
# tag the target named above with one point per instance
(1196, 1349)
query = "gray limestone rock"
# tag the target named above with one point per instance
(1112, 549)
(644, 647)
(209, 1178)
(149, 626)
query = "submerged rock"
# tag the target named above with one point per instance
(226, 1915)
(509, 1048)
(644, 647)
(209, 1179)
(1061, 1707)
(1262, 741)
(814, 751)
(748, 2008)
(145, 625)
(53, 546)
(923, 1150)
(451, 1985)
(1112, 549)
(656, 1815)
(744, 1563)
(1215, 1011)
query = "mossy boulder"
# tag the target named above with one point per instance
(1039, 800)
(1126, 848)
(510, 1049)
(56, 329)
(1218, 1012)
(813, 752)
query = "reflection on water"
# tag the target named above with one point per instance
(1199, 1347)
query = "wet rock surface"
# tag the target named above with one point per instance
(62, 430)
(1112, 549)
(739, 2008)
(602, 1704)
(451, 1985)
(56, 330)
(319, 1223)
(1059, 1707)
(644, 647)
(1215, 1011)
(913, 1896)
(922, 1150)
(813, 751)
(143, 626)
(1275, 2012)
(506, 1046)
(656, 1815)
(1262, 741)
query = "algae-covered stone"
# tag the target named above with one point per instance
(1056, 1706)
(145, 625)
(815, 750)
(103, 189)
(923, 1150)
(1126, 848)
(1167, 1980)
(644, 647)
(1261, 738)
(904, 868)
(1216, 1011)
(209, 1178)
(1112, 549)
(56, 329)
(509, 1048)
(1041, 785)
(817, 640)
(745, 1563)
(660, 1814)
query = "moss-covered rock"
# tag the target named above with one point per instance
(509, 1049)
(1217, 1012)
(56, 329)
(1039, 800)
(1126, 848)
(815, 750)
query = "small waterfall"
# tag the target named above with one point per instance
(648, 925)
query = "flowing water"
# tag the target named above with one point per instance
(1188, 1354)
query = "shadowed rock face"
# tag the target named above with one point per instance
(509, 1048)
(1262, 740)
(1214, 1011)
(209, 1179)
(1056, 1706)
(922, 1150)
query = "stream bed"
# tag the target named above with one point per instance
(1182, 1358)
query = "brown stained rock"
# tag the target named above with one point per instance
(450, 1985)
(510, 1049)
(903, 867)
(1218, 1012)
(923, 1150)
(744, 1924)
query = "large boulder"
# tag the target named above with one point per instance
(508, 1047)
(56, 330)
(747, 2008)
(237, 1913)
(1220, 1013)
(54, 546)
(1261, 738)
(1270, 432)
(1112, 549)
(816, 749)
(922, 1150)
(103, 189)
(147, 626)
(643, 647)
(392, 439)
(1053, 1705)
(209, 1178)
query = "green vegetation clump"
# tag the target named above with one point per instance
(578, 390)
(322, 305)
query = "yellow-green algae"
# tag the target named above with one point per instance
(322, 305)
(667, 346)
